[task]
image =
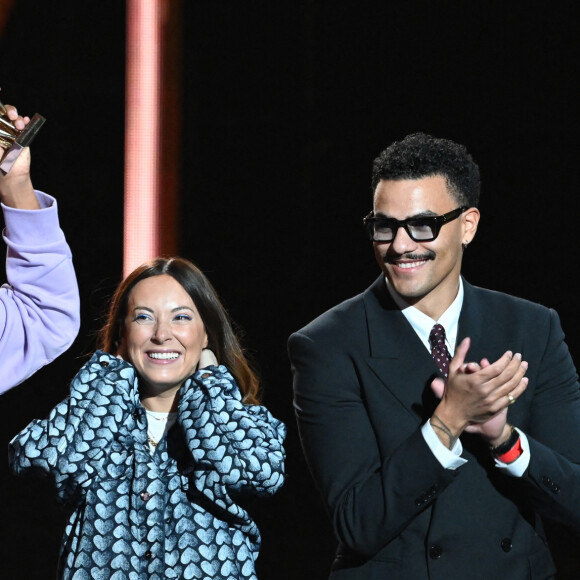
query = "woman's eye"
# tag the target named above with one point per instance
(142, 318)
(181, 317)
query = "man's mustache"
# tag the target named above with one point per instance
(391, 259)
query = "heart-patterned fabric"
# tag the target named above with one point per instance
(172, 514)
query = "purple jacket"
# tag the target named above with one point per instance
(39, 306)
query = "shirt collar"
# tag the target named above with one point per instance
(422, 324)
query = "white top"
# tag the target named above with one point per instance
(158, 424)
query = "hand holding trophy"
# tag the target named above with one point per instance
(14, 140)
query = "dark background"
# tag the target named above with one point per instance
(285, 105)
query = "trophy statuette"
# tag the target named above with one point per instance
(13, 140)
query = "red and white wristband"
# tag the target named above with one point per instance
(509, 450)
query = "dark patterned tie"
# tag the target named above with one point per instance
(439, 350)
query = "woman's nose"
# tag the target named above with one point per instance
(161, 332)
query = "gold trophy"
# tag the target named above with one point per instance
(13, 140)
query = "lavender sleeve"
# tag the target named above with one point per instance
(39, 305)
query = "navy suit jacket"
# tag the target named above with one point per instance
(361, 394)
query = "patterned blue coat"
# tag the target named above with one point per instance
(173, 514)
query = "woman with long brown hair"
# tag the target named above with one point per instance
(162, 437)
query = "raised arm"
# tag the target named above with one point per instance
(236, 447)
(85, 433)
(39, 304)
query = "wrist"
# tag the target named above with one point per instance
(447, 433)
(19, 194)
(510, 449)
(505, 434)
(448, 415)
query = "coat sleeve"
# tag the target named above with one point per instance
(552, 480)
(39, 306)
(235, 447)
(370, 496)
(72, 443)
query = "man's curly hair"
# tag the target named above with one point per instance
(420, 155)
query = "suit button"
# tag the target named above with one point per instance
(506, 544)
(551, 484)
(435, 552)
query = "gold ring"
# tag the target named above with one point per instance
(511, 399)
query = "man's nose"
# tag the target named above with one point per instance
(402, 242)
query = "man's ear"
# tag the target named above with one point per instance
(470, 223)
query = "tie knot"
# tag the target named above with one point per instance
(437, 335)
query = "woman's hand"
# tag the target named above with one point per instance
(16, 186)
(207, 359)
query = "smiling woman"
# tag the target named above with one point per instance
(164, 336)
(161, 437)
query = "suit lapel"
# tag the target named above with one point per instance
(398, 358)
(471, 323)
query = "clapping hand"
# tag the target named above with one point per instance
(476, 396)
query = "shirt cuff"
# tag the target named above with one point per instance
(449, 458)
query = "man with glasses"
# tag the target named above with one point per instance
(440, 421)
